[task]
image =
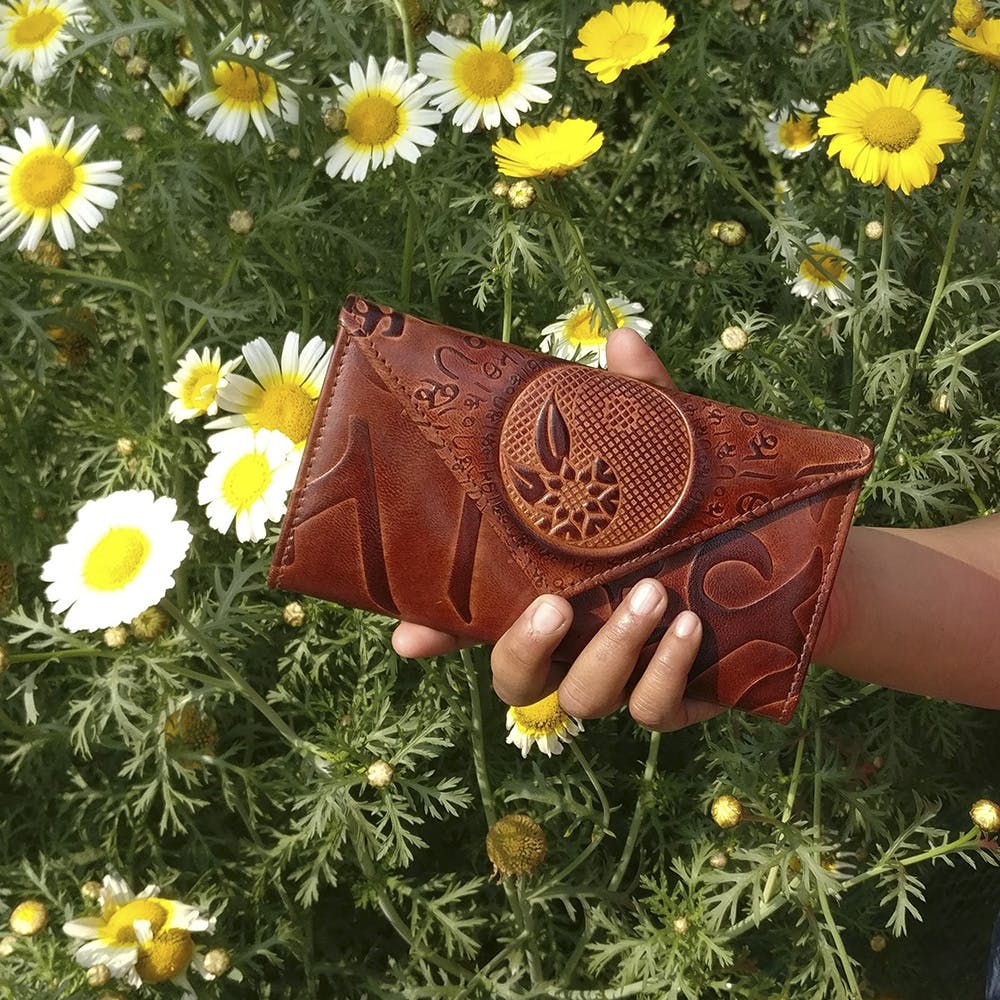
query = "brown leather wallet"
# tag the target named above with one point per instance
(449, 479)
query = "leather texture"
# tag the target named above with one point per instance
(449, 479)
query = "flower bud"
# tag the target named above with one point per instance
(334, 118)
(727, 811)
(521, 194)
(516, 845)
(941, 401)
(47, 253)
(380, 774)
(878, 942)
(115, 637)
(150, 624)
(734, 338)
(91, 891)
(702, 268)
(124, 446)
(7, 945)
(137, 67)
(134, 133)
(122, 46)
(190, 732)
(217, 962)
(681, 926)
(500, 189)
(986, 815)
(241, 221)
(98, 976)
(458, 24)
(730, 233)
(294, 614)
(873, 229)
(719, 860)
(29, 917)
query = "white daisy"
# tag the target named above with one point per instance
(248, 482)
(118, 559)
(385, 113)
(791, 132)
(543, 724)
(33, 35)
(196, 384)
(243, 93)
(580, 336)
(825, 270)
(49, 183)
(483, 82)
(141, 939)
(284, 396)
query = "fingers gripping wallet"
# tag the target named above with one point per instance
(449, 479)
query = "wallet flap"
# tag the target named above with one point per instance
(589, 475)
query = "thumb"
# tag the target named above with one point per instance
(629, 354)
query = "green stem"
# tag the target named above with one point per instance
(237, 680)
(409, 244)
(726, 174)
(507, 277)
(60, 654)
(793, 789)
(476, 735)
(845, 959)
(101, 281)
(966, 840)
(982, 342)
(628, 166)
(845, 32)
(942, 280)
(859, 359)
(648, 774)
(595, 840)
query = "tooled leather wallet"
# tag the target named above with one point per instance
(449, 479)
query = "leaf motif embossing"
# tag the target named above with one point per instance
(528, 483)
(551, 435)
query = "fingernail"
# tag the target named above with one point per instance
(685, 624)
(644, 598)
(546, 619)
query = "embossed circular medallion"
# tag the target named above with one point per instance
(590, 461)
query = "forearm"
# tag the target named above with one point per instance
(919, 610)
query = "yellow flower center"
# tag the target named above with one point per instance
(246, 481)
(286, 408)
(373, 120)
(583, 328)
(797, 132)
(487, 73)
(516, 845)
(199, 389)
(116, 559)
(822, 256)
(242, 85)
(544, 718)
(166, 956)
(120, 930)
(41, 180)
(37, 29)
(892, 129)
(628, 45)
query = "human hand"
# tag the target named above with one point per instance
(598, 681)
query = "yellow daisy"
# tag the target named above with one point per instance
(891, 134)
(196, 384)
(825, 270)
(968, 14)
(791, 132)
(385, 114)
(543, 724)
(551, 150)
(248, 482)
(118, 559)
(579, 334)
(985, 43)
(33, 35)
(483, 82)
(284, 396)
(628, 35)
(45, 183)
(141, 939)
(245, 94)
